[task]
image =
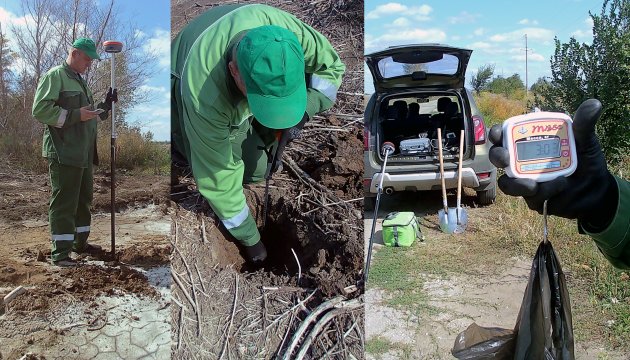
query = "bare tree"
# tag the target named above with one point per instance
(43, 42)
(6, 58)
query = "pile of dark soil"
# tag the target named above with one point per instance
(84, 283)
(145, 255)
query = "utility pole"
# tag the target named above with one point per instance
(526, 82)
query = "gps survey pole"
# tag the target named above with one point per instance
(113, 47)
(386, 150)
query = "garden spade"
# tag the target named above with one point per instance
(448, 217)
(113, 47)
(386, 150)
(461, 213)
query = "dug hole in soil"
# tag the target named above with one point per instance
(327, 240)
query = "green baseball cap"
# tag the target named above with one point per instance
(270, 60)
(87, 46)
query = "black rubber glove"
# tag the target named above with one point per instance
(287, 136)
(590, 194)
(256, 253)
(111, 97)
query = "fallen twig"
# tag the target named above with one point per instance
(299, 266)
(227, 337)
(178, 281)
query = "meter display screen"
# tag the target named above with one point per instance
(538, 149)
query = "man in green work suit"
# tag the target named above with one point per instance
(240, 72)
(64, 103)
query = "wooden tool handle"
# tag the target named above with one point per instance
(459, 169)
(439, 133)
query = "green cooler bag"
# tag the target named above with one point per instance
(400, 229)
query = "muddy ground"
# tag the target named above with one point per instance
(458, 280)
(313, 233)
(105, 308)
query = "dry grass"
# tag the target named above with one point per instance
(497, 108)
(135, 151)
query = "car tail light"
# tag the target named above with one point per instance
(367, 183)
(366, 139)
(480, 130)
(483, 175)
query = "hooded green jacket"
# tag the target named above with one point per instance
(614, 241)
(60, 94)
(211, 111)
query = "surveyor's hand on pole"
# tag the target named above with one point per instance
(111, 97)
(87, 114)
(589, 194)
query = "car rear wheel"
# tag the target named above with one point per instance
(487, 197)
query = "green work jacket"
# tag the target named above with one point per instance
(614, 241)
(60, 94)
(212, 111)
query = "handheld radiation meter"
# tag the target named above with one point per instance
(541, 146)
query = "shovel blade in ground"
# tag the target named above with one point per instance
(461, 216)
(450, 223)
(448, 220)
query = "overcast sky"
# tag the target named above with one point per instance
(491, 28)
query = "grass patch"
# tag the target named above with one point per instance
(378, 346)
(135, 152)
(395, 271)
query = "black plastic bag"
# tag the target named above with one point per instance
(543, 330)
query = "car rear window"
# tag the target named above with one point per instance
(407, 64)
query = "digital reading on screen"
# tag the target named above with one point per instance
(538, 149)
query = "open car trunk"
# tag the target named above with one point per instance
(411, 121)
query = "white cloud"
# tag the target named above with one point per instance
(479, 31)
(411, 36)
(140, 34)
(152, 89)
(420, 12)
(484, 47)
(537, 34)
(153, 115)
(463, 18)
(159, 44)
(585, 32)
(530, 57)
(528, 22)
(456, 37)
(400, 22)
(480, 45)
(589, 22)
(9, 18)
(580, 34)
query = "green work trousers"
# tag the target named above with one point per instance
(249, 147)
(69, 209)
